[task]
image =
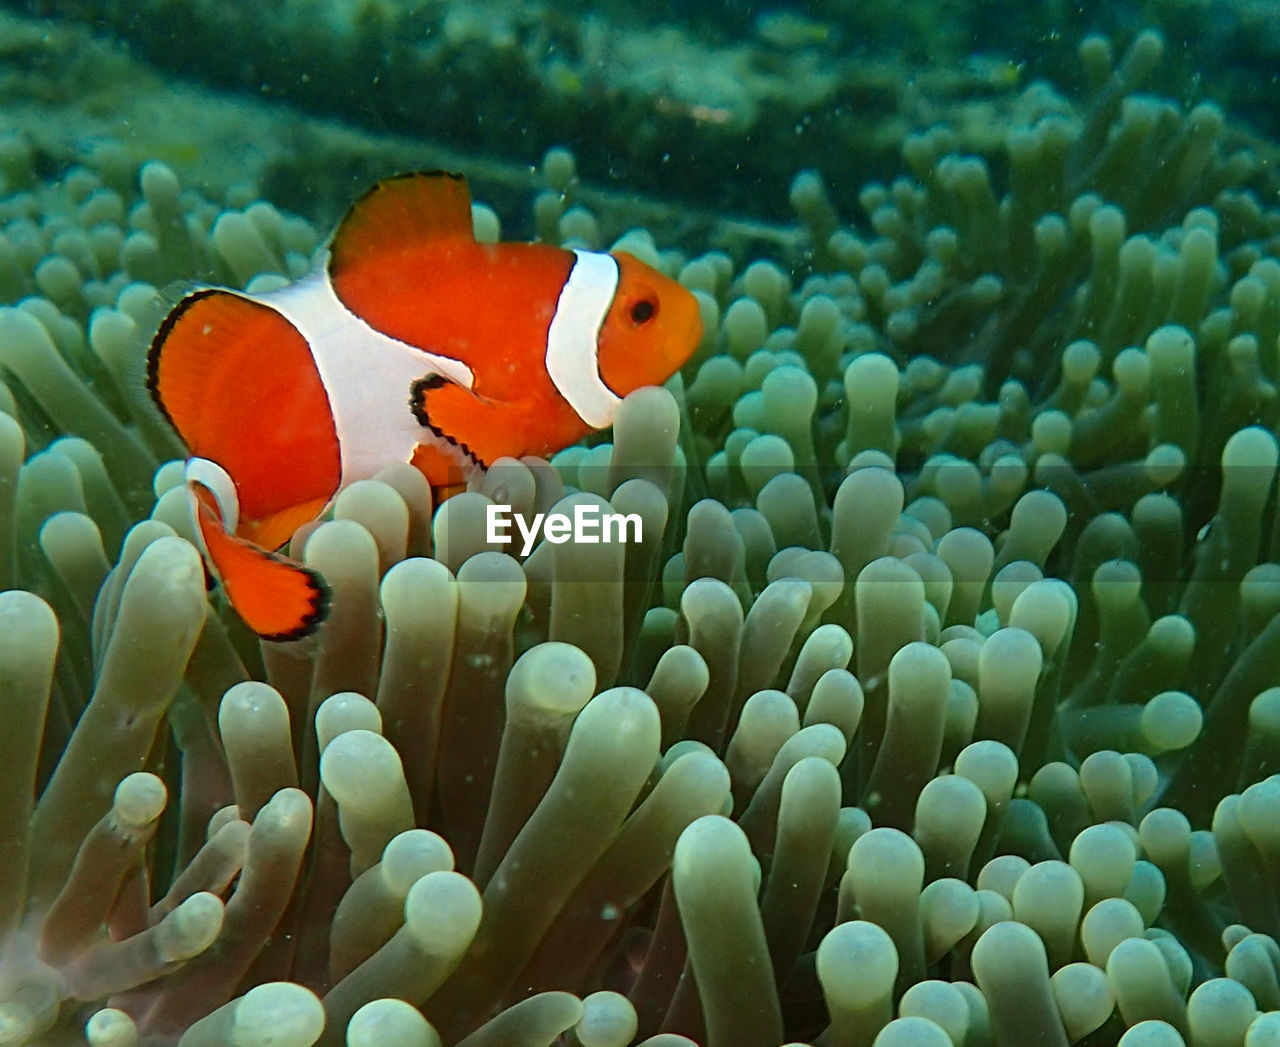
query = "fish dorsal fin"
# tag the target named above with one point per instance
(401, 212)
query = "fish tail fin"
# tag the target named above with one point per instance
(203, 333)
(278, 598)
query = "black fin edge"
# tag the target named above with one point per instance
(381, 183)
(425, 384)
(404, 176)
(321, 598)
(321, 601)
(157, 346)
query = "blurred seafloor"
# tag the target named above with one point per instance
(710, 108)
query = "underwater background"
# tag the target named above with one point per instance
(940, 704)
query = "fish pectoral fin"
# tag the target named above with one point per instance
(278, 598)
(482, 429)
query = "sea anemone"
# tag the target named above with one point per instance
(934, 705)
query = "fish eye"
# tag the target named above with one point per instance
(643, 311)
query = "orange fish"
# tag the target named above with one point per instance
(412, 343)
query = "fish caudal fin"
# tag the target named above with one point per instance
(240, 385)
(277, 598)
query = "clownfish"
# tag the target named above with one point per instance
(411, 342)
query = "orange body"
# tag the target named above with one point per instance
(415, 343)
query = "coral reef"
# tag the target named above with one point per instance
(936, 704)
